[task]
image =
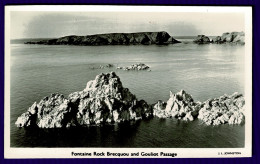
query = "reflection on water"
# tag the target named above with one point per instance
(204, 71)
(147, 133)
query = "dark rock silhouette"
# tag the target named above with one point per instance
(145, 38)
(201, 39)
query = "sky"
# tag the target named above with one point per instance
(50, 24)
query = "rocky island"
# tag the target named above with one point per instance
(202, 39)
(222, 110)
(105, 100)
(138, 66)
(233, 37)
(144, 38)
(228, 37)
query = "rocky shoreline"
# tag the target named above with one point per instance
(144, 38)
(105, 100)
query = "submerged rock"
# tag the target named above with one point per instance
(139, 66)
(103, 66)
(104, 100)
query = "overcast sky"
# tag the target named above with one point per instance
(39, 24)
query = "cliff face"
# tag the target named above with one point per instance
(145, 38)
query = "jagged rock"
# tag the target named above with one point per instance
(233, 37)
(24, 120)
(139, 66)
(54, 112)
(28, 118)
(145, 38)
(180, 105)
(222, 110)
(104, 100)
(225, 109)
(201, 39)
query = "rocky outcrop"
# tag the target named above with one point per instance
(104, 100)
(145, 38)
(233, 37)
(201, 39)
(225, 109)
(139, 66)
(180, 105)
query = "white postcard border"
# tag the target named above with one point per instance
(10, 152)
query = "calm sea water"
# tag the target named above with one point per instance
(204, 71)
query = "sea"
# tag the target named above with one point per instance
(204, 71)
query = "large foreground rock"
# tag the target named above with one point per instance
(223, 110)
(145, 38)
(104, 100)
(180, 105)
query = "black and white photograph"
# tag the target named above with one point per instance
(128, 81)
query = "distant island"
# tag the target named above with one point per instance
(227, 37)
(143, 38)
